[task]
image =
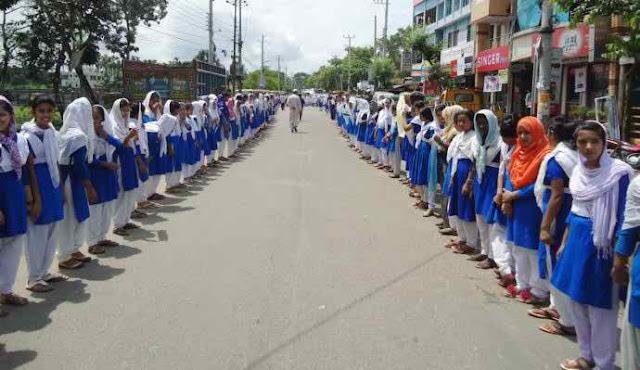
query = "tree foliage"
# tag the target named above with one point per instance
(252, 80)
(382, 71)
(10, 34)
(424, 44)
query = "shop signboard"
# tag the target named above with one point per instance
(161, 85)
(493, 59)
(574, 42)
(492, 84)
(581, 80)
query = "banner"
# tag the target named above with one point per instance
(492, 84)
(581, 79)
(493, 59)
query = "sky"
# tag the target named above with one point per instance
(304, 33)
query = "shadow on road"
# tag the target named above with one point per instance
(121, 252)
(349, 306)
(13, 360)
(95, 271)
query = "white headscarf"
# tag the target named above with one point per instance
(566, 157)
(120, 127)
(363, 109)
(77, 130)
(49, 145)
(462, 146)
(142, 133)
(101, 146)
(486, 151)
(385, 118)
(148, 110)
(212, 108)
(595, 195)
(169, 126)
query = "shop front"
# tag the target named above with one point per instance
(492, 70)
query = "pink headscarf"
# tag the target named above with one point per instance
(10, 141)
(232, 109)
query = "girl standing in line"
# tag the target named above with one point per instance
(157, 142)
(142, 160)
(76, 149)
(42, 235)
(18, 184)
(585, 260)
(169, 125)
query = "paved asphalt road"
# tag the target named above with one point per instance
(296, 256)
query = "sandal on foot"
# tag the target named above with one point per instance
(96, 249)
(579, 363)
(108, 243)
(71, 264)
(512, 291)
(448, 231)
(156, 196)
(478, 258)
(507, 281)
(462, 249)
(12, 299)
(55, 278)
(545, 313)
(137, 214)
(39, 286)
(452, 243)
(80, 257)
(556, 328)
(130, 226)
(486, 264)
(121, 231)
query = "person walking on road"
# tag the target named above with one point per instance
(295, 109)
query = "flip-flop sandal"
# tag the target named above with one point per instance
(478, 258)
(108, 243)
(512, 292)
(579, 363)
(121, 231)
(13, 300)
(452, 243)
(462, 249)
(39, 286)
(556, 328)
(84, 259)
(156, 196)
(544, 313)
(130, 226)
(55, 278)
(97, 249)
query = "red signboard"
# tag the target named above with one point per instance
(493, 59)
(454, 68)
(574, 42)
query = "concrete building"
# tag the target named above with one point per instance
(70, 79)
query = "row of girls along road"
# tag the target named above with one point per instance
(545, 209)
(62, 190)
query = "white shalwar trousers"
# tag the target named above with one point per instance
(383, 156)
(559, 301)
(630, 340)
(72, 234)
(501, 249)
(10, 250)
(125, 204)
(141, 192)
(468, 232)
(151, 186)
(374, 153)
(42, 241)
(427, 196)
(395, 159)
(172, 179)
(597, 332)
(100, 221)
(222, 148)
(528, 272)
(484, 229)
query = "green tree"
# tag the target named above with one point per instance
(10, 33)
(382, 71)
(111, 67)
(424, 44)
(252, 80)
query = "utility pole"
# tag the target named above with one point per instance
(544, 58)
(349, 37)
(234, 65)
(212, 50)
(386, 23)
(375, 35)
(279, 82)
(262, 81)
(240, 43)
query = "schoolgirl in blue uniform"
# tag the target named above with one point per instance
(626, 248)
(585, 260)
(225, 128)
(16, 201)
(393, 145)
(411, 132)
(76, 149)
(103, 172)
(554, 200)
(206, 143)
(190, 164)
(361, 133)
(157, 142)
(461, 203)
(449, 223)
(142, 160)
(169, 125)
(419, 172)
(234, 125)
(125, 156)
(487, 154)
(385, 118)
(210, 113)
(42, 235)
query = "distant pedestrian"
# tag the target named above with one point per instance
(294, 102)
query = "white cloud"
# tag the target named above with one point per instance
(305, 33)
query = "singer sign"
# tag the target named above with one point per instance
(493, 59)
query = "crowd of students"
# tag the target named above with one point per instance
(61, 190)
(544, 207)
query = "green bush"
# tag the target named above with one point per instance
(23, 114)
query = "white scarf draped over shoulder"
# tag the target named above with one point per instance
(49, 145)
(566, 157)
(101, 146)
(77, 130)
(462, 147)
(120, 128)
(595, 194)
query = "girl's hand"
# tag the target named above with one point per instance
(92, 196)
(507, 209)
(35, 211)
(545, 236)
(498, 199)
(508, 196)
(466, 188)
(133, 134)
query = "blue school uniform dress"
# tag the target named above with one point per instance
(206, 146)
(420, 173)
(235, 129)
(484, 191)
(77, 171)
(580, 272)
(626, 246)
(157, 148)
(212, 137)
(51, 196)
(461, 205)
(371, 130)
(174, 162)
(362, 129)
(523, 228)
(554, 171)
(393, 136)
(104, 181)
(13, 199)
(190, 144)
(126, 156)
(379, 139)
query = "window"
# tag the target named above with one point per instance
(430, 16)
(419, 20)
(465, 3)
(456, 5)
(440, 11)
(456, 33)
(469, 33)
(448, 7)
(452, 38)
